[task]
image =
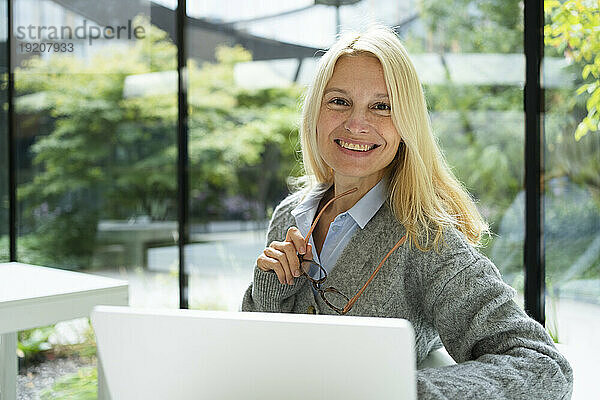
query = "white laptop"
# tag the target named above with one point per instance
(189, 354)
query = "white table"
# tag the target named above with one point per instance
(32, 296)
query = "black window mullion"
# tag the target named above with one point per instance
(534, 162)
(182, 151)
(11, 148)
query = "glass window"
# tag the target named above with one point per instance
(244, 95)
(96, 117)
(470, 55)
(572, 183)
(96, 111)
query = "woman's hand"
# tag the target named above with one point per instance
(282, 257)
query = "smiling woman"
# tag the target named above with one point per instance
(380, 216)
(355, 133)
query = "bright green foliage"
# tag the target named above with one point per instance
(242, 142)
(575, 31)
(82, 385)
(34, 346)
(89, 134)
(34, 341)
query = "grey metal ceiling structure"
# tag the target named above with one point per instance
(203, 36)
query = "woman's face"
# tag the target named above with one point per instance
(355, 133)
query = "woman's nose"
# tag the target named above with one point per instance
(357, 122)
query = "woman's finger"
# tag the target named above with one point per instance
(289, 262)
(281, 257)
(308, 255)
(266, 264)
(294, 236)
(293, 264)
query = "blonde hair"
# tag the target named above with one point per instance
(423, 193)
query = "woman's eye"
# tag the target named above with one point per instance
(382, 107)
(338, 102)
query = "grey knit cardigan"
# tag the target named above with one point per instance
(454, 294)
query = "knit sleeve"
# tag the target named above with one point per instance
(266, 293)
(500, 351)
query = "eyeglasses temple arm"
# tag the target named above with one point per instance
(360, 292)
(323, 209)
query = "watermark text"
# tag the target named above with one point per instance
(83, 32)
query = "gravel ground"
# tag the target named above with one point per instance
(35, 378)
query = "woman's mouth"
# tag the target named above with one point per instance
(361, 148)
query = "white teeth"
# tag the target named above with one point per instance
(352, 146)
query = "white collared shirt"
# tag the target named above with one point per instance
(343, 226)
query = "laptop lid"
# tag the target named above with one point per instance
(192, 354)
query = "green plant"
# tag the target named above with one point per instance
(479, 126)
(574, 32)
(473, 26)
(82, 385)
(34, 345)
(100, 154)
(552, 330)
(552, 322)
(33, 342)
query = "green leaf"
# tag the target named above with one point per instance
(82, 385)
(581, 131)
(582, 89)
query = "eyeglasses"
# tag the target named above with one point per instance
(336, 300)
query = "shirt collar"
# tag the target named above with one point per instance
(368, 205)
(361, 212)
